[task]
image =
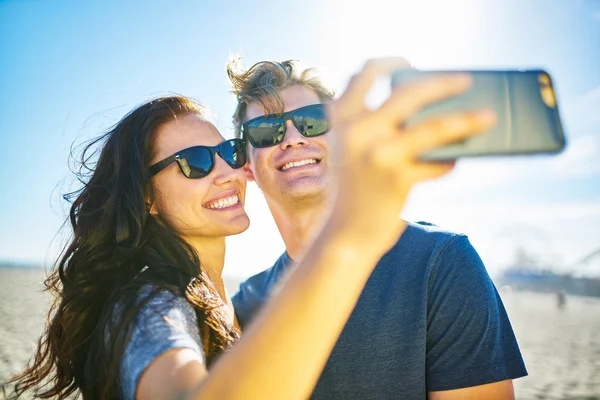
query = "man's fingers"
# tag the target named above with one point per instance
(412, 143)
(352, 101)
(426, 171)
(409, 98)
(436, 132)
(409, 171)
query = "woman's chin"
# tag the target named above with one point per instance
(242, 224)
(235, 225)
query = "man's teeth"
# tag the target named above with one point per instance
(224, 203)
(298, 163)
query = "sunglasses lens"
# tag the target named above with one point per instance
(233, 152)
(265, 132)
(311, 121)
(196, 162)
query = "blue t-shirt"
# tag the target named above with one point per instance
(166, 322)
(428, 319)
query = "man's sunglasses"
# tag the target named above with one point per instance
(269, 130)
(198, 161)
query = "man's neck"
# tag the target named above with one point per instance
(299, 225)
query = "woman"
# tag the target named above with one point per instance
(134, 226)
(139, 292)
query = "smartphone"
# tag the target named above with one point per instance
(528, 120)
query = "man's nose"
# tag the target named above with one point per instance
(293, 137)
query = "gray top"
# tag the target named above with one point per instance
(166, 322)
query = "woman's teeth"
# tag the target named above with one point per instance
(298, 163)
(224, 203)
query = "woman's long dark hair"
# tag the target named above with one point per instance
(114, 238)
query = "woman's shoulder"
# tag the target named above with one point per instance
(165, 320)
(160, 306)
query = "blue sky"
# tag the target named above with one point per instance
(70, 69)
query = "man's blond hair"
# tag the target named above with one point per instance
(263, 83)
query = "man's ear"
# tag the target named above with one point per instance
(248, 172)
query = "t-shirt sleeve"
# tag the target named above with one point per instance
(470, 340)
(166, 322)
(256, 290)
(250, 298)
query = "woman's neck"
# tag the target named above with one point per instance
(211, 252)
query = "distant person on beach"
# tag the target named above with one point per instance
(429, 322)
(561, 299)
(140, 308)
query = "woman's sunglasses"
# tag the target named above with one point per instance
(269, 130)
(198, 161)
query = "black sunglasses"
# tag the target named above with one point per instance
(269, 130)
(198, 161)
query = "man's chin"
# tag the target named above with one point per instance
(305, 190)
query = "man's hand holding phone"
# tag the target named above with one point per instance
(378, 157)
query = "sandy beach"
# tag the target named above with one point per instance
(561, 347)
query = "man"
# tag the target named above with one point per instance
(429, 322)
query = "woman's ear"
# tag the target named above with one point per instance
(151, 208)
(150, 205)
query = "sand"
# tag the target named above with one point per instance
(561, 348)
(22, 315)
